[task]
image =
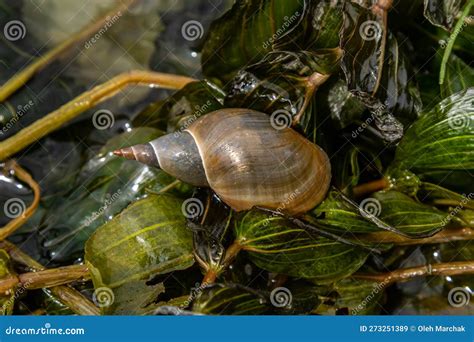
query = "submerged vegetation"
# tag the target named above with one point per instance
(385, 89)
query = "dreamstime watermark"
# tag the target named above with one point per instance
(457, 209)
(370, 297)
(45, 330)
(370, 30)
(107, 203)
(281, 208)
(459, 297)
(103, 297)
(468, 21)
(103, 119)
(109, 22)
(373, 115)
(195, 292)
(192, 30)
(14, 30)
(14, 207)
(192, 208)
(16, 295)
(21, 110)
(281, 297)
(459, 121)
(281, 119)
(199, 110)
(287, 22)
(370, 207)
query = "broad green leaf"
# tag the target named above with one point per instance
(361, 297)
(442, 13)
(105, 185)
(230, 299)
(276, 245)
(438, 146)
(245, 33)
(377, 71)
(180, 110)
(146, 239)
(389, 207)
(408, 215)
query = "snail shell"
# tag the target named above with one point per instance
(244, 159)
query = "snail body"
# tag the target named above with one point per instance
(244, 160)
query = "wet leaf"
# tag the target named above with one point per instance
(283, 84)
(459, 77)
(210, 230)
(361, 297)
(230, 299)
(377, 71)
(105, 185)
(245, 33)
(438, 146)
(442, 13)
(276, 245)
(148, 238)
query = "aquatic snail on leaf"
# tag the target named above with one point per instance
(244, 160)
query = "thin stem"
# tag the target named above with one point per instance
(230, 255)
(370, 187)
(312, 84)
(169, 186)
(446, 235)
(85, 101)
(46, 278)
(17, 222)
(65, 294)
(75, 301)
(452, 39)
(406, 274)
(19, 79)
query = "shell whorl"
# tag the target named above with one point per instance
(250, 163)
(245, 160)
(176, 154)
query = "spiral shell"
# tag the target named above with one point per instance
(245, 161)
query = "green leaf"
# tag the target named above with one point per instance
(230, 299)
(408, 215)
(105, 185)
(245, 33)
(276, 245)
(438, 146)
(361, 297)
(377, 72)
(442, 13)
(146, 239)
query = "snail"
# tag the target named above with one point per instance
(244, 160)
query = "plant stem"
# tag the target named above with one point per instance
(312, 84)
(17, 222)
(85, 101)
(67, 295)
(45, 278)
(230, 254)
(19, 79)
(406, 274)
(446, 235)
(370, 187)
(452, 39)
